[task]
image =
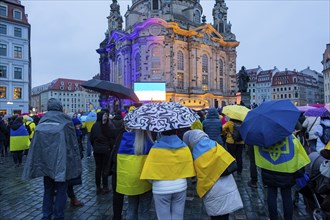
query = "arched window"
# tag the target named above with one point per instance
(137, 66)
(205, 64)
(155, 5)
(220, 67)
(119, 71)
(155, 59)
(197, 17)
(180, 61)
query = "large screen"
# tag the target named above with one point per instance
(150, 91)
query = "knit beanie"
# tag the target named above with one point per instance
(192, 137)
(76, 121)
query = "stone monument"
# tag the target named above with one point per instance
(243, 96)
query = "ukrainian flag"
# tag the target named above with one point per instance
(89, 122)
(168, 159)
(210, 161)
(287, 156)
(129, 167)
(19, 139)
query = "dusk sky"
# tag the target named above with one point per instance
(284, 33)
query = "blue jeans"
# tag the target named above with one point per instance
(50, 186)
(139, 206)
(89, 145)
(286, 200)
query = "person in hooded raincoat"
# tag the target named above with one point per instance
(54, 155)
(217, 189)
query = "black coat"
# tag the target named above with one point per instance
(102, 136)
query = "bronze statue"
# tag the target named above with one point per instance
(243, 79)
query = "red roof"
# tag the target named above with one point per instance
(66, 84)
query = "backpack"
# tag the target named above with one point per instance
(236, 134)
(325, 138)
(28, 128)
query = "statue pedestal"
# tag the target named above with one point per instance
(243, 97)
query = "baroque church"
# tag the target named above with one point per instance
(169, 41)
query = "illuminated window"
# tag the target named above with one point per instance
(3, 29)
(3, 92)
(17, 32)
(205, 87)
(17, 93)
(3, 72)
(180, 80)
(180, 61)
(220, 67)
(205, 64)
(3, 50)
(17, 52)
(18, 73)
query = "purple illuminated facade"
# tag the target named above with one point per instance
(169, 41)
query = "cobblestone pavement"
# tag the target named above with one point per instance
(23, 199)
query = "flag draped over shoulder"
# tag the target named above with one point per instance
(210, 161)
(287, 156)
(169, 159)
(19, 139)
(129, 167)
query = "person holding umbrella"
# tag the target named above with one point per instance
(278, 153)
(169, 161)
(234, 142)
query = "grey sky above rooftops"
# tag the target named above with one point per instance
(284, 33)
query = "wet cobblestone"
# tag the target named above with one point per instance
(23, 199)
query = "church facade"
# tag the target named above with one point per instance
(169, 41)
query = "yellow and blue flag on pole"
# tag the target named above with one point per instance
(19, 139)
(169, 159)
(210, 161)
(286, 156)
(129, 167)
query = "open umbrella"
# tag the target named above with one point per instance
(269, 123)
(109, 88)
(160, 116)
(318, 112)
(305, 108)
(237, 112)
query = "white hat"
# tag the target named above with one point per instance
(192, 137)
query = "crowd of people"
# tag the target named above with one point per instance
(154, 167)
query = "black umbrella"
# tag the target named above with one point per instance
(112, 89)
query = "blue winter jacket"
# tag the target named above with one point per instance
(212, 125)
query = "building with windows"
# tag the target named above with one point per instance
(252, 84)
(263, 85)
(300, 88)
(169, 41)
(73, 97)
(319, 94)
(15, 58)
(326, 73)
